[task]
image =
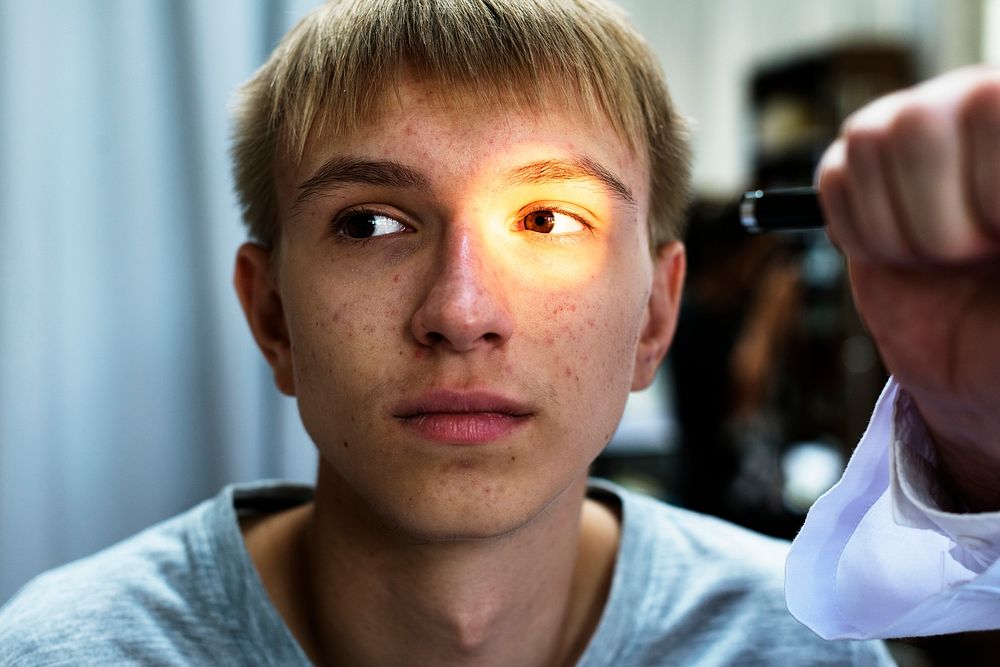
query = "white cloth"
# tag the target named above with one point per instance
(886, 553)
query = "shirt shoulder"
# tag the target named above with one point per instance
(111, 605)
(701, 590)
(172, 594)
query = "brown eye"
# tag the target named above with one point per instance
(548, 221)
(540, 221)
(364, 225)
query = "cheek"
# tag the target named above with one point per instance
(336, 322)
(341, 341)
(595, 330)
(588, 347)
(592, 322)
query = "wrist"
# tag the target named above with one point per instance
(965, 443)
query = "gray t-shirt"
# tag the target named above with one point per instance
(687, 590)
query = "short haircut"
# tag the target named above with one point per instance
(333, 71)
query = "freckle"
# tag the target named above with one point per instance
(395, 278)
(513, 458)
(345, 444)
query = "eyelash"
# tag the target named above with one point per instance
(554, 238)
(340, 220)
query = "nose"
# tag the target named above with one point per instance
(465, 306)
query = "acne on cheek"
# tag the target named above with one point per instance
(565, 307)
(565, 329)
(315, 346)
(570, 373)
(606, 342)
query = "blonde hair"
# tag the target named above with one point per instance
(332, 71)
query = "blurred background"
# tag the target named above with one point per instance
(130, 388)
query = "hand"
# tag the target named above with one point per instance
(911, 193)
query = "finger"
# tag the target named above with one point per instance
(876, 220)
(925, 174)
(831, 184)
(981, 128)
(931, 166)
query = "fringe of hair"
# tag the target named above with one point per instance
(332, 73)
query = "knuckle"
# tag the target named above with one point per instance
(861, 133)
(917, 135)
(981, 105)
(956, 248)
(872, 118)
(915, 122)
(953, 243)
(861, 144)
(831, 177)
(831, 161)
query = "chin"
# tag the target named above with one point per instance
(460, 516)
(469, 507)
(448, 501)
(430, 532)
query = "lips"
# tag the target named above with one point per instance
(459, 417)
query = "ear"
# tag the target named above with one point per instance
(660, 319)
(264, 311)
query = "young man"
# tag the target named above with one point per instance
(465, 220)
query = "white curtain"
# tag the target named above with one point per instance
(130, 387)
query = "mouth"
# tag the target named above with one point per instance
(462, 418)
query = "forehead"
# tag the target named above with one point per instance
(449, 133)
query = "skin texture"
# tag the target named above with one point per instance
(420, 552)
(463, 545)
(911, 192)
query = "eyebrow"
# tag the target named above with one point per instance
(579, 168)
(341, 171)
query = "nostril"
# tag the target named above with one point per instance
(434, 338)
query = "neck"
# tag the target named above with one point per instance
(374, 596)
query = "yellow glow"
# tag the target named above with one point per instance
(619, 227)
